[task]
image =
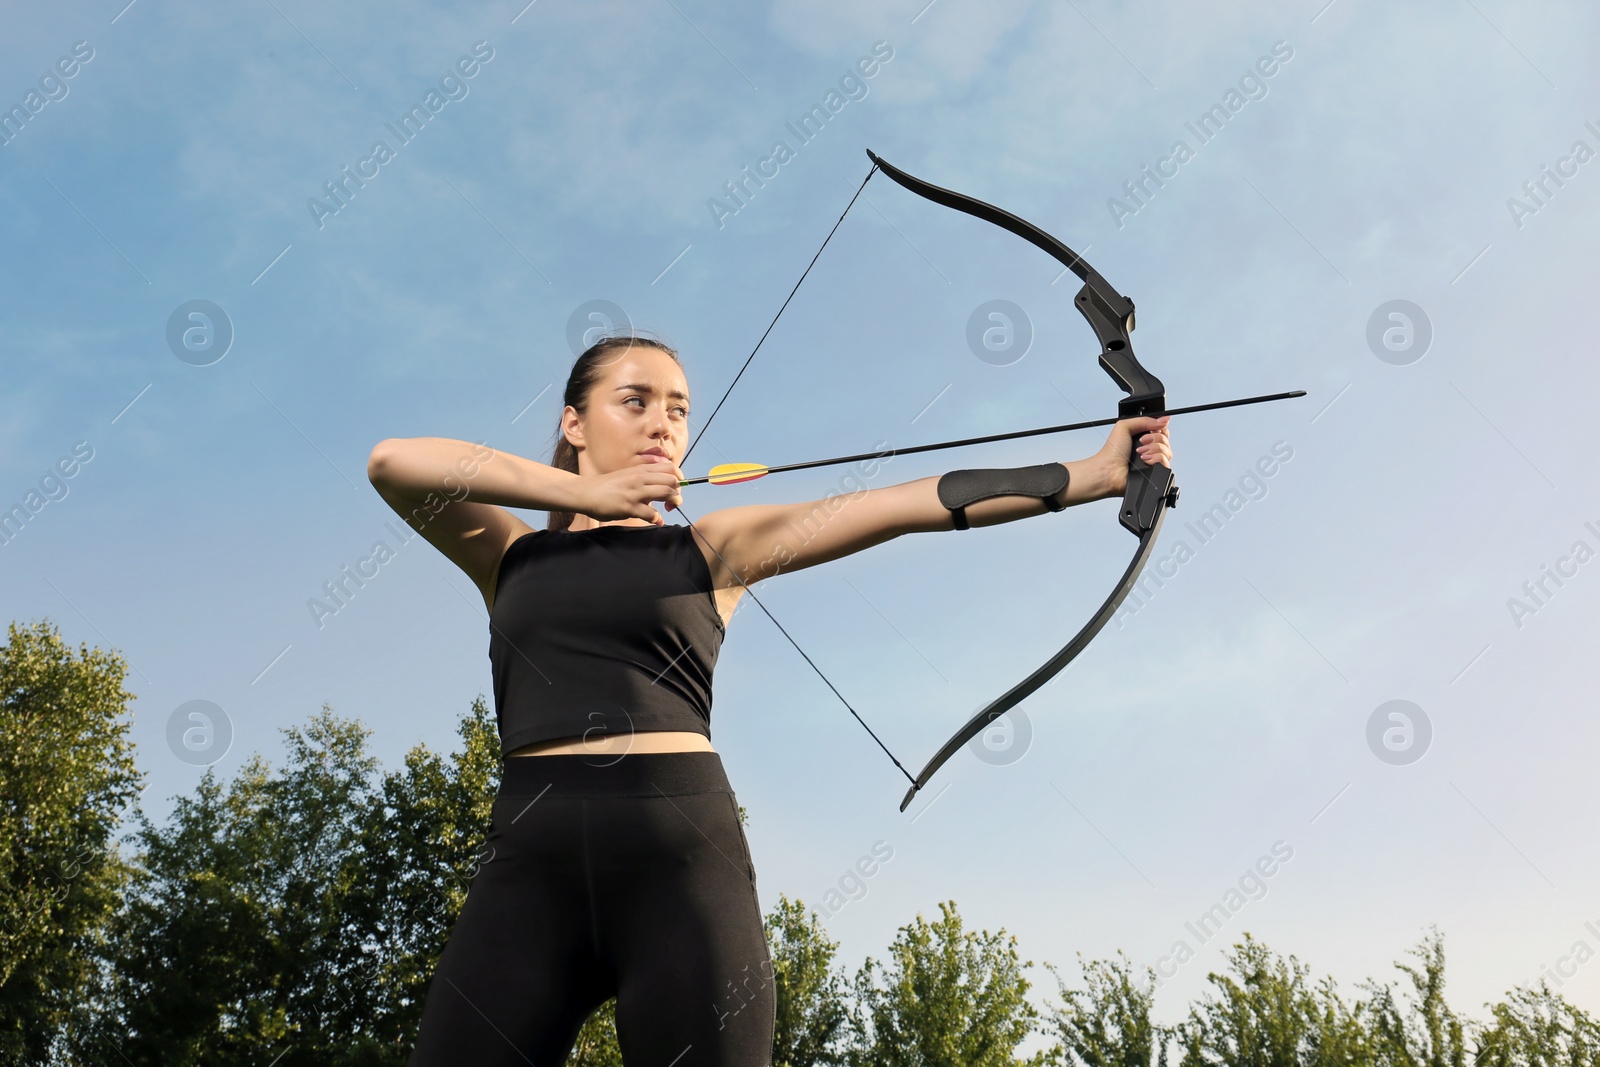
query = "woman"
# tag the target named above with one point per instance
(617, 866)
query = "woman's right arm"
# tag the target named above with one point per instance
(455, 494)
(415, 467)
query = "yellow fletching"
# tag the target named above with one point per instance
(730, 473)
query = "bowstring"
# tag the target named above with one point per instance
(707, 425)
(752, 595)
(726, 392)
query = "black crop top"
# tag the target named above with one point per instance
(603, 631)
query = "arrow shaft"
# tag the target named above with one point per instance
(1012, 436)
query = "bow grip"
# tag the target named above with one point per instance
(1150, 488)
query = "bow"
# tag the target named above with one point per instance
(1150, 489)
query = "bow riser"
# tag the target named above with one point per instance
(1146, 394)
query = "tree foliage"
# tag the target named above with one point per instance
(812, 1013)
(66, 773)
(294, 916)
(948, 998)
(1537, 1028)
(1106, 1023)
(1267, 1013)
(597, 1044)
(1416, 1027)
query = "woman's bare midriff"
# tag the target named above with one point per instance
(652, 741)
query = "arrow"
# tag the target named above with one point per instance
(733, 473)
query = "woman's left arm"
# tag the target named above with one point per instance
(750, 543)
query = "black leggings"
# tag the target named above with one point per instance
(607, 876)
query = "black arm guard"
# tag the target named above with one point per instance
(960, 488)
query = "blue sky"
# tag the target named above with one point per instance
(1414, 498)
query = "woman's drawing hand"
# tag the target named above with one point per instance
(629, 493)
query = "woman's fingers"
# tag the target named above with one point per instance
(631, 492)
(1153, 444)
(661, 482)
(658, 480)
(674, 497)
(1147, 438)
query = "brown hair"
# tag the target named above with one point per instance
(585, 375)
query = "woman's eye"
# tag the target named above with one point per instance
(631, 399)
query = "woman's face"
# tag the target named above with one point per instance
(639, 407)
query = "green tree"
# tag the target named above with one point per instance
(597, 1039)
(295, 917)
(1107, 1023)
(949, 999)
(1537, 1028)
(66, 773)
(1266, 1013)
(422, 843)
(1340, 1034)
(811, 1012)
(1416, 1027)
